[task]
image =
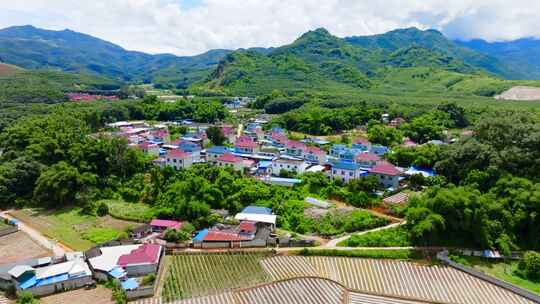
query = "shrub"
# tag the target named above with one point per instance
(529, 266)
(25, 297)
(175, 236)
(394, 237)
(372, 254)
(102, 209)
(149, 279)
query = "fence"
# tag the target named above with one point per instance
(443, 257)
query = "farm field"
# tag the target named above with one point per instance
(71, 228)
(393, 278)
(505, 272)
(19, 246)
(98, 295)
(192, 275)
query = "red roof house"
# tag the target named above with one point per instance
(314, 150)
(229, 158)
(368, 156)
(247, 227)
(384, 168)
(164, 224)
(177, 153)
(223, 236)
(245, 142)
(145, 254)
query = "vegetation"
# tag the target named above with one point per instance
(359, 253)
(191, 275)
(25, 297)
(136, 212)
(393, 237)
(102, 235)
(529, 266)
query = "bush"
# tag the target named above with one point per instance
(25, 297)
(102, 209)
(529, 266)
(149, 279)
(176, 236)
(395, 237)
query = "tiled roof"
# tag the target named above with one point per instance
(223, 236)
(293, 144)
(166, 223)
(145, 254)
(229, 158)
(248, 226)
(385, 168)
(314, 150)
(245, 142)
(368, 157)
(177, 153)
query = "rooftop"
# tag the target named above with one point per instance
(367, 156)
(145, 254)
(166, 224)
(385, 168)
(257, 210)
(245, 142)
(177, 153)
(216, 236)
(344, 165)
(229, 158)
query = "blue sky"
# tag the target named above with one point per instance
(188, 27)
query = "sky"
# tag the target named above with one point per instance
(189, 27)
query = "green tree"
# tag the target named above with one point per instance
(215, 135)
(384, 135)
(58, 185)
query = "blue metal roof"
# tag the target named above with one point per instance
(265, 164)
(257, 210)
(200, 235)
(117, 272)
(218, 150)
(28, 283)
(343, 165)
(130, 284)
(54, 279)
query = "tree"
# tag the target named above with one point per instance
(215, 134)
(385, 136)
(26, 297)
(176, 236)
(456, 114)
(58, 185)
(102, 209)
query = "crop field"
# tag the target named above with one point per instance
(394, 278)
(193, 275)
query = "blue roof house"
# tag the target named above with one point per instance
(257, 210)
(346, 171)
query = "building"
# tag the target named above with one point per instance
(125, 260)
(231, 161)
(149, 148)
(344, 153)
(229, 133)
(314, 155)
(247, 229)
(179, 159)
(158, 225)
(361, 144)
(379, 149)
(387, 174)
(278, 139)
(367, 159)
(245, 145)
(346, 171)
(214, 152)
(53, 278)
(295, 148)
(257, 214)
(292, 165)
(210, 238)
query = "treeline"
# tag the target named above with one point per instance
(492, 197)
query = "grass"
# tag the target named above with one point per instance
(393, 237)
(72, 228)
(191, 275)
(503, 271)
(129, 211)
(395, 254)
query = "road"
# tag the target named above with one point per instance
(37, 236)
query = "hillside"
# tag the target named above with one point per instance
(433, 40)
(522, 54)
(8, 69)
(33, 48)
(319, 60)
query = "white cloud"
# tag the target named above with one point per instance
(166, 26)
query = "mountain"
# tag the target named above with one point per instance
(522, 54)
(392, 41)
(33, 48)
(320, 60)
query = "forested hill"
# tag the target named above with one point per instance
(434, 40)
(33, 48)
(522, 54)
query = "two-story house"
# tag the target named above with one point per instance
(346, 171)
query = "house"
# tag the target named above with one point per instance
(346, 171)
(126, 260)
(361, 144)
(257, 214)
(179, 159)
(237, 163)
(387, 174)
(229, 133)
(379, 149)
(296, 166)
(247, 229)
(42, 281)
(344, 153)
(245, 145)
(294, 148)
(278, 139)
(367, 159)
(214, 152)
(140, 231)
(162, 225)
(210, 238)
(314, 155)
(159, 135)
(149, 148)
